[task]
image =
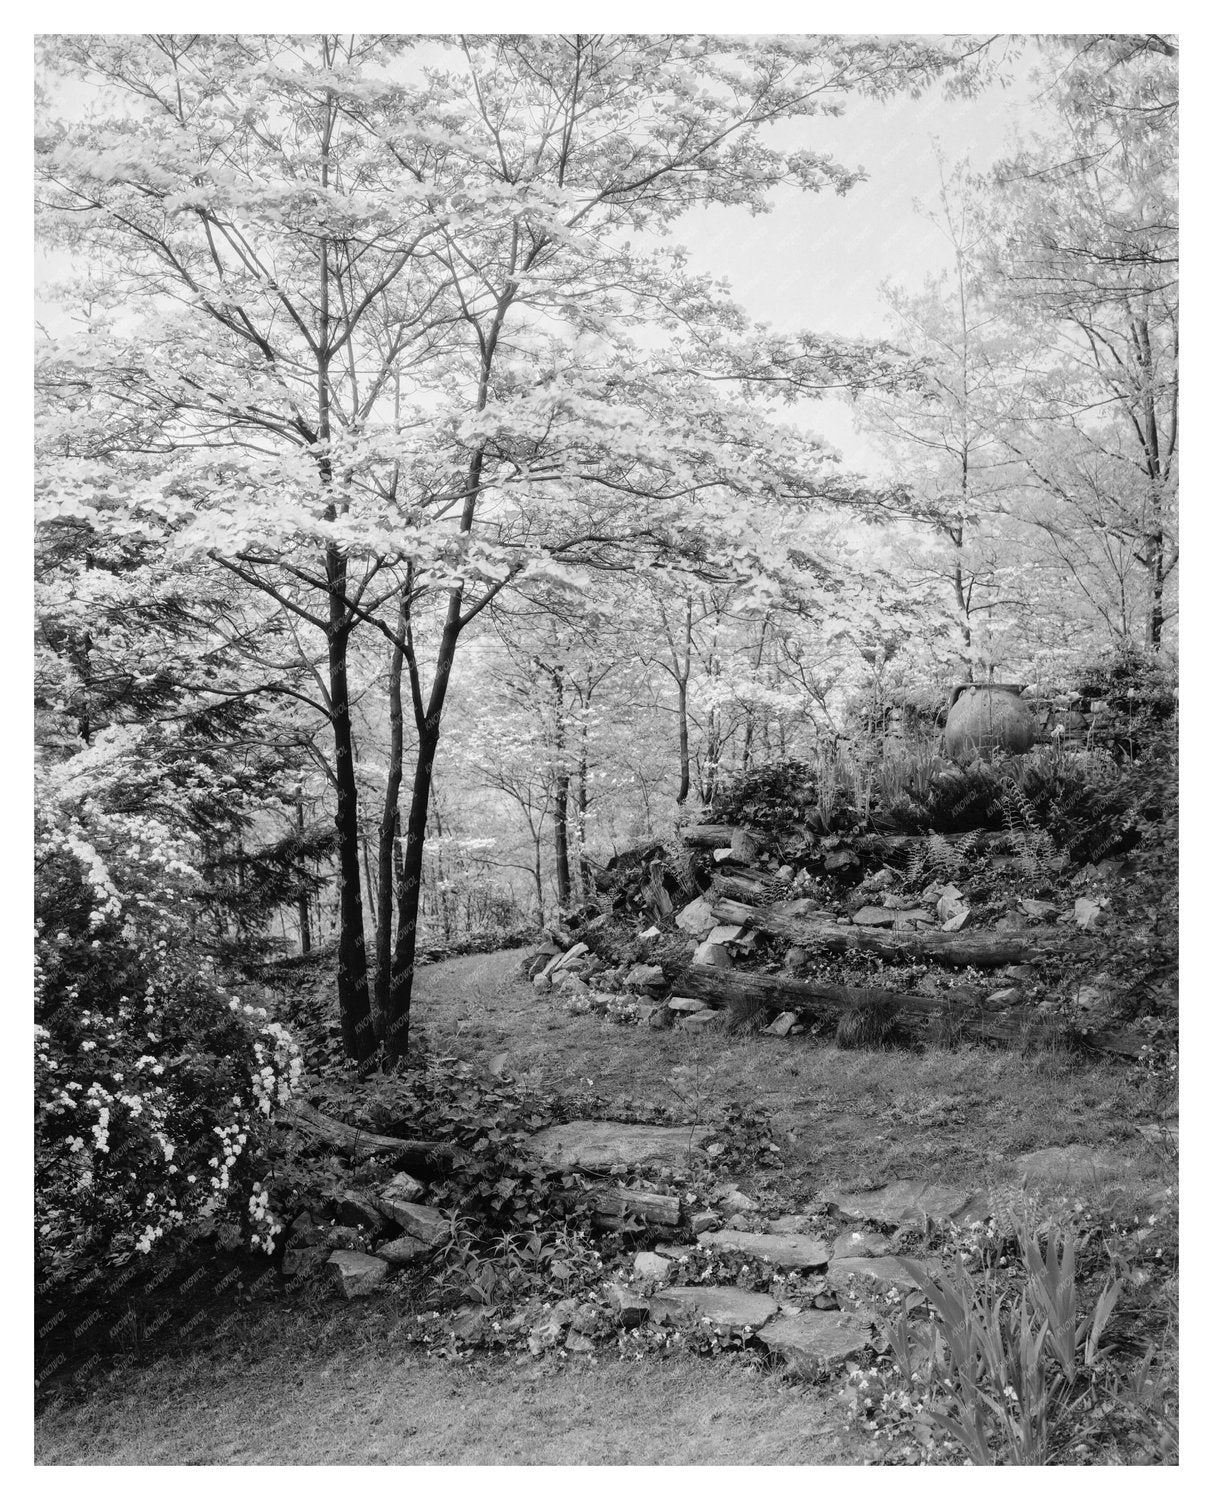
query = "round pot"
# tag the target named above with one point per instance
(987, 716)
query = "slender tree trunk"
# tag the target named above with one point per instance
(561, 821)
(583, 802)
(396, 1033)
(388, 836)
(305, 925)
(357, 1030)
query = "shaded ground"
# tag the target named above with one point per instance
(327, 1383)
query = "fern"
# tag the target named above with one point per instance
(1032, 843)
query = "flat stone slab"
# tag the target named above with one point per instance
(876, 1271)
(813, 1343)
(1068, 1164)
(599, 1145)
(795, 1251)
(724, 1306)
(903, 1202)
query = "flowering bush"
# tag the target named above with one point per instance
(153, 1086)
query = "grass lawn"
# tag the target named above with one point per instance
(322, 1382)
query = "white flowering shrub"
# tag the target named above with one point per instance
(153, 1086)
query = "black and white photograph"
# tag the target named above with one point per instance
(606, 749)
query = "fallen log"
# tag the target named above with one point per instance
(956, 1014)
(983, 950)
(418, 1156)
(750, 992)
(614, 1205)
(710, 836)
(881, 843)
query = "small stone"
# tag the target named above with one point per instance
(577, 951)
(784, 873)
(686, 1005)
(957, 922)
(712, 955)
(306, 1261)
(577, 1343)
(587, 1318)
(951, 901)
(356, 1275)
(645, 976)
(1012, 995)
(1037, 909)
(630, 1309)
(542, 983)
(661, 1018)
(860, 1242)
(1021, 973)
(652, 1267)
(839, 859)
(734, 1201)
(356, 1209)
(702, 1019)
(781, 1025)
(649, 934)
(422, 1222)
(1087, 913)
(403, 1251)
(702, 1223)
(725, 933)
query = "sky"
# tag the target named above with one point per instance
(817, 261)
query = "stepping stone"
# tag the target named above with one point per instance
(813, 1344)
(903, 1202)
(793, 1251)
(725, 1307)
(357, 1275)
(853, 1242)
(599, 1145)
(873, 1272)
(1068, 1164)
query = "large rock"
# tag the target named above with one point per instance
(814, 1344)
(875, 1272)
(599, 1145)
(357, 1275)
(793, 1251)
(725, 1307)
(903, 1202)
(712, 955)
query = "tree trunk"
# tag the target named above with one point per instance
(561, 821)
(305, 925)
(396, 1032)
(357, 1030)
(388, 826)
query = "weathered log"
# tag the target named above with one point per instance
(983, 950)
(709, 836)
(742, 991)
(957, 1012)
(746, 888)
(419, 1156)
(880, 843)
(617, 1204)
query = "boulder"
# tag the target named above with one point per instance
(356, 1275)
